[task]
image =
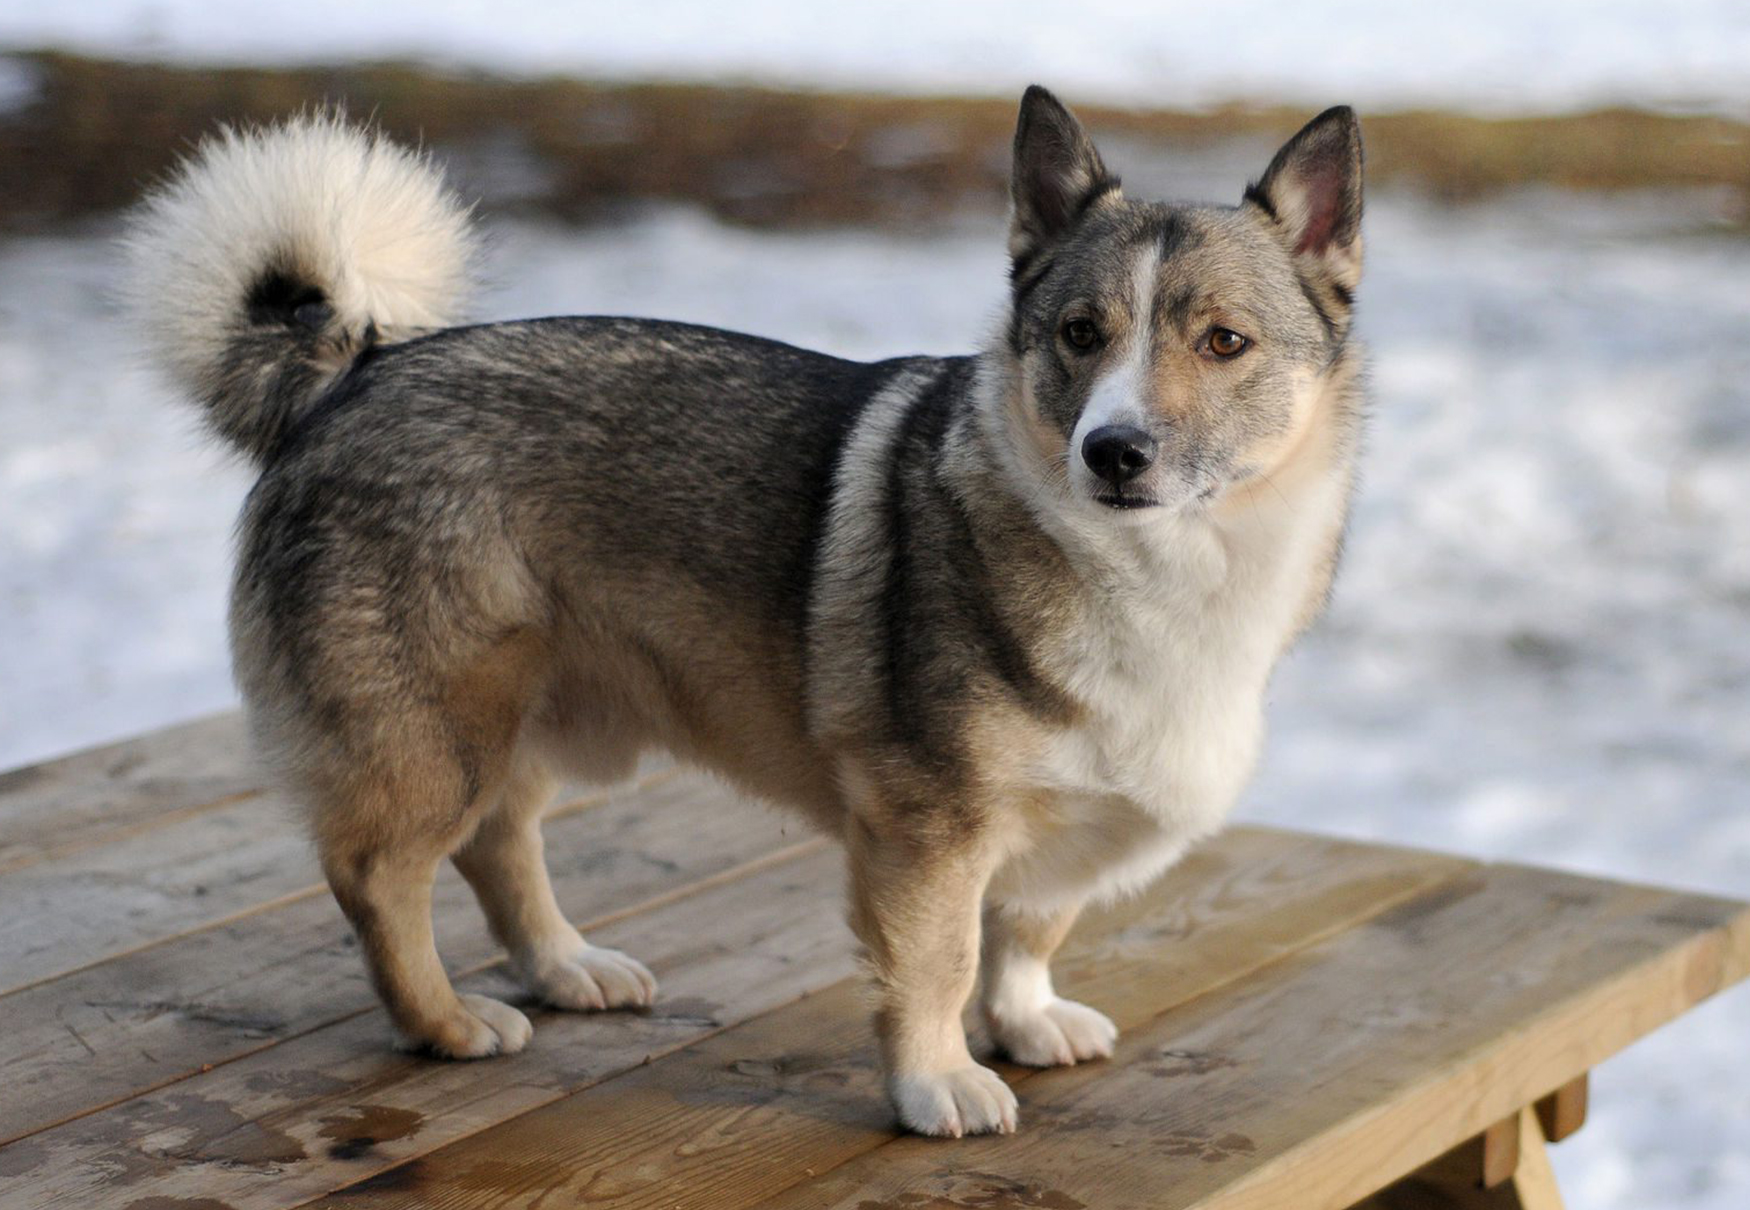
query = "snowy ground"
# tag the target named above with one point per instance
(1479, 54)
(1541, 644)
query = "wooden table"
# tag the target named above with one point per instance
(1306, 1021)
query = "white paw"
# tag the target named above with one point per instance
(481, 1028)
(594, 978)
(949, 1104)
(1057, 1035)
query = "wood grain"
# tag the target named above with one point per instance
(1443, 1184)
(333, 1105)
(1306, 1020)
(109, 793)
(196, 870)
(1534, 1181)
(146, 1019)
(1326, 1075)
(191, 870)
(153, 850)
(1500, 1147)
(738, 1118)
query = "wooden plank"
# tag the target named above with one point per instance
(61, 806)
(190, 871)
(1563, 1111)
(1535, 1180)
(749, 945)
(292, 1122)
(1487, 1162)
(1346, 1065)
(739, 1118)
(1450, 1182)
(141, 1021)
(60, 915)
(1500, 1158)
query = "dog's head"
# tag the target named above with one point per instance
(1160, 355)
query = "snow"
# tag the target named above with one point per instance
(1484, 54)
(1540, 645)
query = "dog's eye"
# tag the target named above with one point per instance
(1081, 334)
(1225, 342)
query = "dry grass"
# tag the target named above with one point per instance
(98, 131)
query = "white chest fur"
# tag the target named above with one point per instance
(1185, 617)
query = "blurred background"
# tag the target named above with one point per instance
(1540, 645)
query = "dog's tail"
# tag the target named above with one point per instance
(272, 257)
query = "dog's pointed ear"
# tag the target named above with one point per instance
(1057, 175)
(1312, 194)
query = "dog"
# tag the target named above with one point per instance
(1001, 622)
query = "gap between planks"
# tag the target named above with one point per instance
(677, 1129)
(571, 807)
(591, 921)
(1330, 1077)
(703, 885)
(258, 1131)
(118, 791)
(747, 946)
(121, 835)
(1242, 941)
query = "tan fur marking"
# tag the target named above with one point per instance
(503, 862)
(1044, 440)
(1027, 1019)
(915, 904)
(383, 830)
(1307, 452)
(1023, 933)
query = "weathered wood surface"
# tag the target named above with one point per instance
(1359, 1057)
(61, 806)
(1306, 1019)
(204, 997)
(193, 870)
(222, 849)
(285, 1124)
(739, 1119)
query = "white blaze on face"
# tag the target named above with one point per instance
(1120, 396)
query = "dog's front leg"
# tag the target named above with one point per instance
(915, 895)
(1027, 1018)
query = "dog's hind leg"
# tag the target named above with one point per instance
(381, 871)
(503, 862)
(1032, 1024)
(408, 782)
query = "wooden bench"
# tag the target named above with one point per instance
(1308, 1023)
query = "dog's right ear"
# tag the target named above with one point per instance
(1057, 177)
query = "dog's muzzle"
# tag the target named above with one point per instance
(1117, 454)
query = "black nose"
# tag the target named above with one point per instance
(1118, 453)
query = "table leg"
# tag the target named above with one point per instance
(1511, 1157)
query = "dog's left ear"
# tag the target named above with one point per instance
(1312, 193)
(1057, 177)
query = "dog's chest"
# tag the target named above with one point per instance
(1174, 730)
(1169, 663)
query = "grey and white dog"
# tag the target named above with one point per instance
(1002, 623)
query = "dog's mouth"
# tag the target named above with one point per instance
(1119, 500)
(1123, 501)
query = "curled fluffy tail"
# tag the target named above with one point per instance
(272, 257)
